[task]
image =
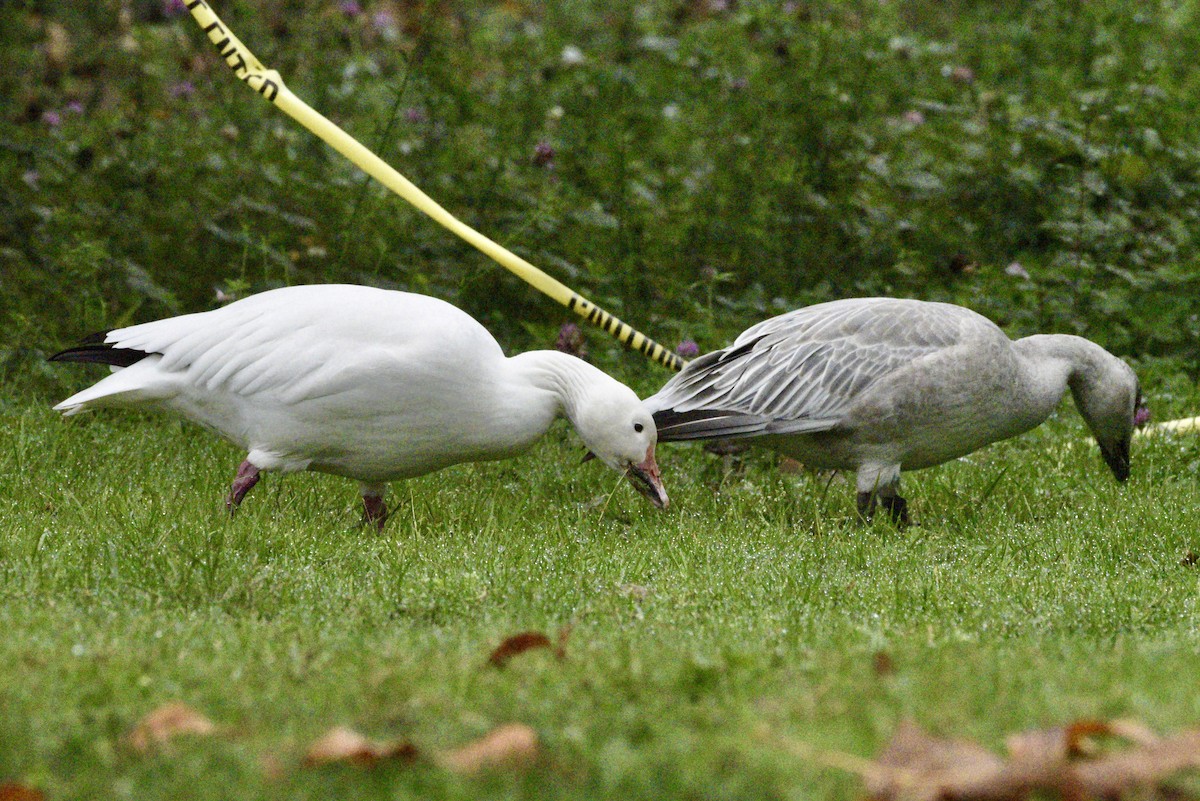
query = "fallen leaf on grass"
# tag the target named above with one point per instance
(1145, 766)
(1063, 762)
(341, 744)
(165, 723)
(510, 745)
(528, 641)
(916, 765)
(11, 791)
(518, 644)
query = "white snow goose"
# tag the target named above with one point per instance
(365, 383)
(877, 385)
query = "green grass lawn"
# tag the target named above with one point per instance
(707, 640)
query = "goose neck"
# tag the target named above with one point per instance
(1078, 359)
(1055, 362)
(563, 376)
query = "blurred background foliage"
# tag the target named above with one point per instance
(691, 165)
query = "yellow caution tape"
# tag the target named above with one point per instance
(270, 85)
(1183, 425)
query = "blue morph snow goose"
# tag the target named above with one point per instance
(365, 383)
(877, 385)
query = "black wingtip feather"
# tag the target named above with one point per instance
(94, 350)
(676, 426)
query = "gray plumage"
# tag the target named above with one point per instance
(879, 385)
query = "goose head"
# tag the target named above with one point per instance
(619, 431)
(1110, 401)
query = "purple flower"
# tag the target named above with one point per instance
(75, 107)
(52, 118)
(570, 340)
(415, 114)
(1141, 416)
(181, 89)
(173, 8)
(543, 154)
(687, 349)
(350, 8)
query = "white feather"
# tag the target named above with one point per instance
(365, 383)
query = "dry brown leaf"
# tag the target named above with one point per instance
(165, 723)
(518, 644)
(508, 746)
(918, 766)
(1065, 762)
(342, 744)
(11, 791)
(529, 641)
(1147, 765)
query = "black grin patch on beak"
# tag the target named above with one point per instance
(644, 485)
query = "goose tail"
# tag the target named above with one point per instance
(135, 377)
(95, 350)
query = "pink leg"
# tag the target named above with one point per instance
(247, 477)
(374, 509)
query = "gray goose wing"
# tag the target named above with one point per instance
(801, 372)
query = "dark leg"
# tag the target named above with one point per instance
(866, 505)
(897, 507)
(247, 477)
(374, 509)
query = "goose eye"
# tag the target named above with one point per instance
(638, 427)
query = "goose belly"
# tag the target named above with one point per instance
(918, 426)
(373, 436)
(391, 447)
(919, 446)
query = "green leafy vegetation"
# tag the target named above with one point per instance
(692, 166)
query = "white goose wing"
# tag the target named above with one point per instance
(295, 344)
(802, 371)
